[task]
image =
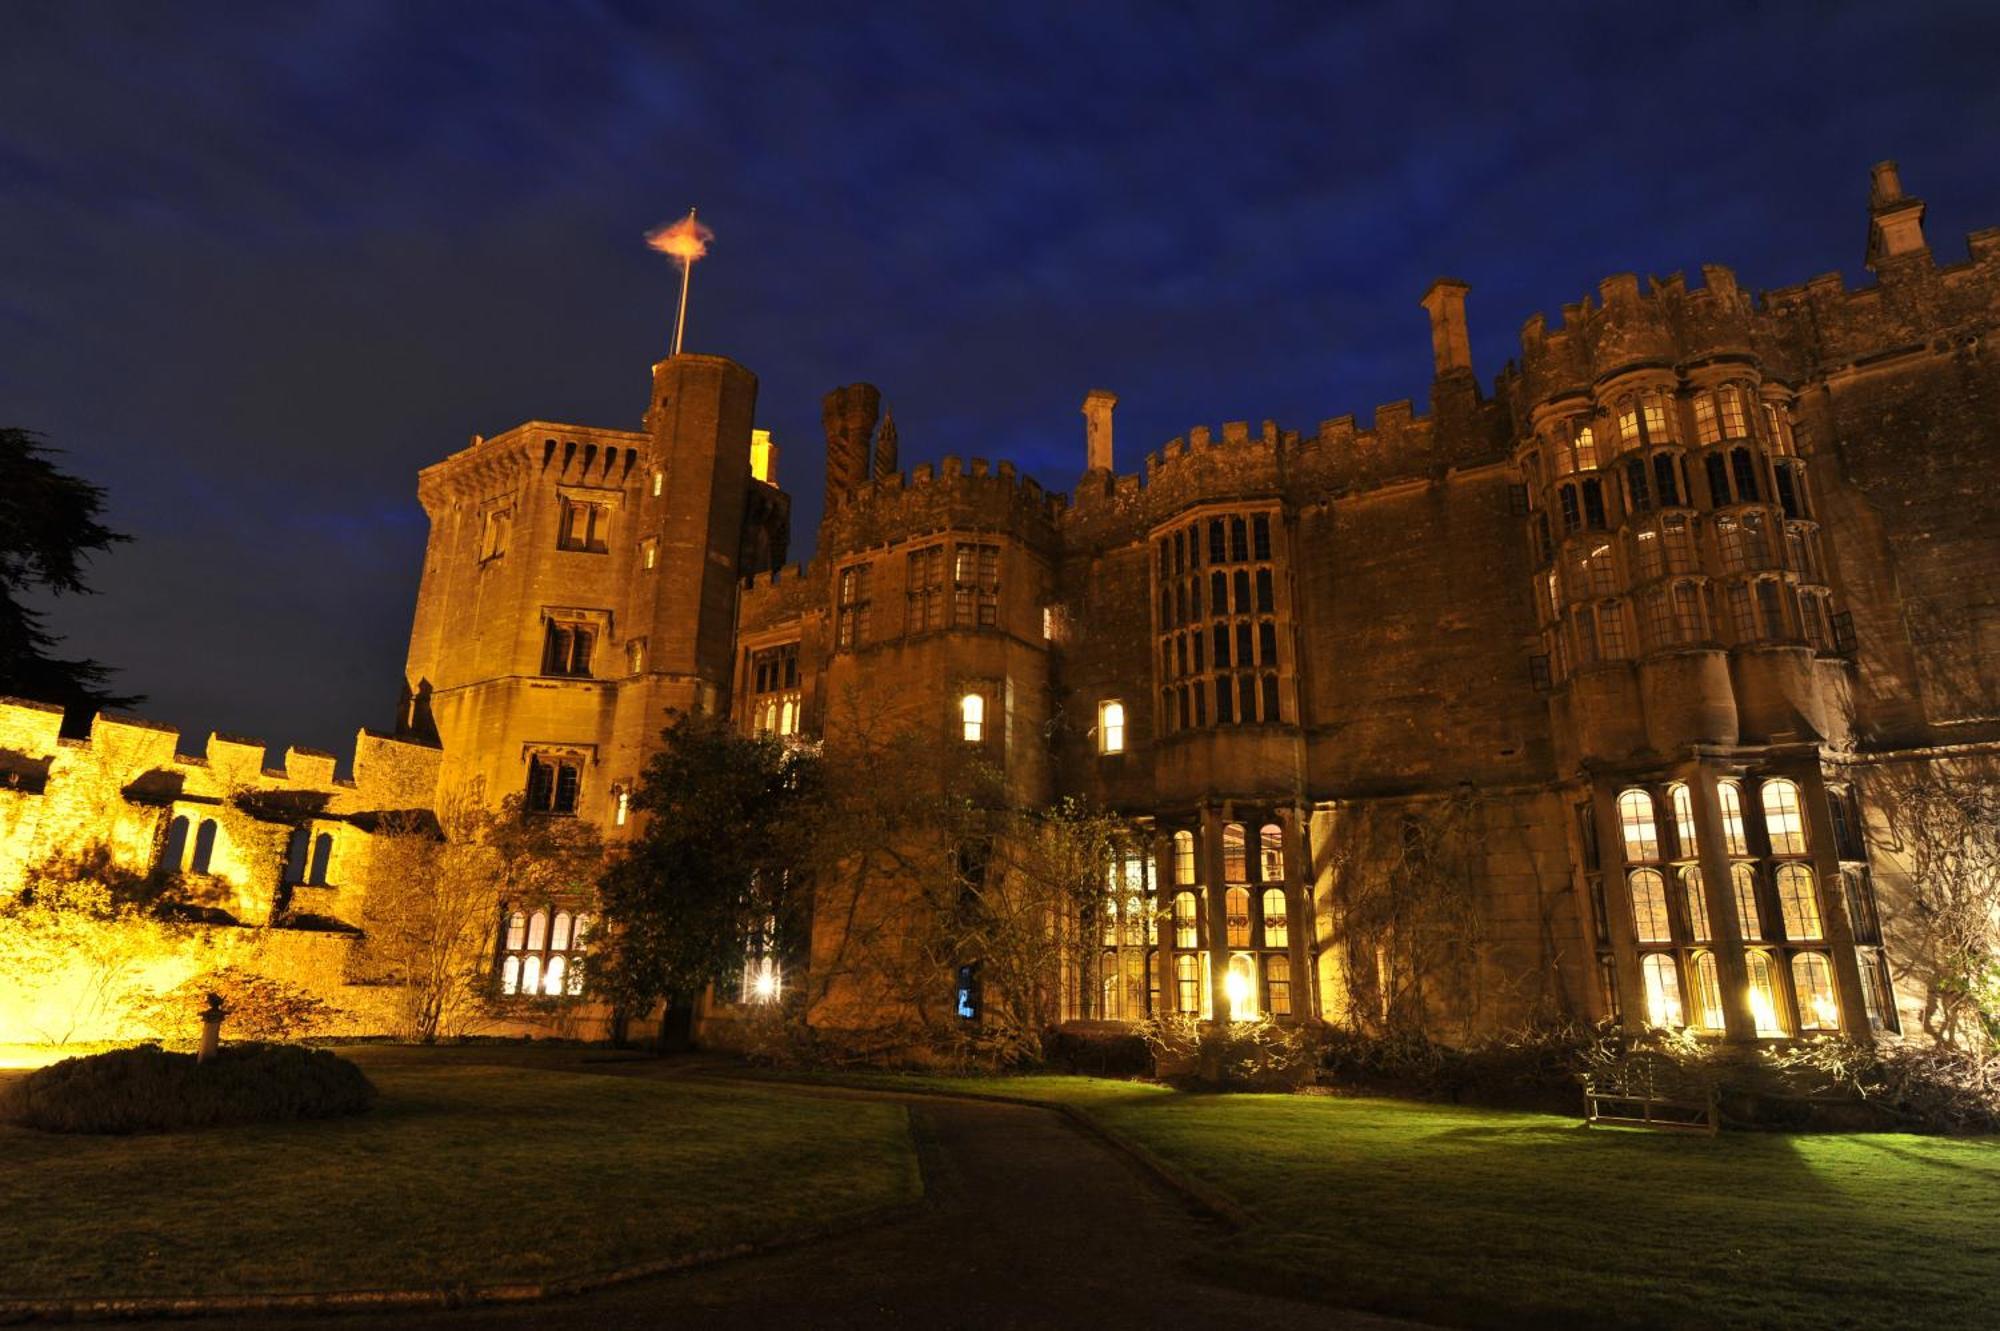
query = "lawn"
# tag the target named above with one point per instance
(1481, 1217)
(461, 1172)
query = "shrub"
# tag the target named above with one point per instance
(258, 1007)
(146, 1089)
(1110, 1053)
(1259, 1055)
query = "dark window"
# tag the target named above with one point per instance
(1246, 698)
(1666, 480)
(1267, 643)
(297, 855)
(1571, 516)
(1545, 545)
(1217, 542)
(1194, 597)
(1221, 645)
(1846, 825)
(1261, 529)
(585, 526)
(976, 586)
(322, 854)
(1242, 592)
(852, 606)
(1225, 702)
(1239, 540)
(204, 846)
(1586, 829)
(1718, 480)
(1638, 498)
(1218, 592)
(1861, 911)
(1267, 600)
(925, 609)
(553, 785)
(1593, 505)
(1180, 551)
(1538, 672)
(566, 649)
(1271, 698)
(1243, 649)
(1200, 705)
(1788, 497)
(175, 852)
(1745, 467)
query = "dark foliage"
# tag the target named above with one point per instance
(146, 1089)
(720, 860)
(48, 528)
(1099, 1053)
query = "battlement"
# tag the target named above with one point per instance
(386, 772)
(952, 494)
(581, 454)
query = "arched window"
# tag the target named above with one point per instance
(1240, 986)
(1783, 822)
(1109, 914)
(1111, 727)
(1183, 859)
(1663, 989)
(1812, 981)
(1749, 919)
(1635, 818)
(559, 935)
(1271, 853)
(1649, 907)
(1798, 904)
(1278, 984)
(204, 846)
(322, 856)
(517, 931)
(1684, 833)
(538, 930)
(297, 855)
(1730, 796)
(1235, 866)
(552, 980)
(972, 717)
(531, 974)
(510, 975)
(576, 933)
(1187, 929)
(174, 857)
(1707, 993)
(1696, 894)
(1236, 903)
(1763, 994)
(1187, 984)
(1277, 926)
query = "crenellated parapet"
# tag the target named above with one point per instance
(534, 451)
(953, 495)
(779, 596)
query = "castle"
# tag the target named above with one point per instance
(1620, 652)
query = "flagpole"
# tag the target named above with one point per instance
(680, 319)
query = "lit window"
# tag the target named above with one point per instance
(1187, 929)
(1277, 927)
(1649, 907)
(1240, 986)
(1730, 796)
(538, 928)
(1749, 918)
(1278, 985)
(559, 932)
(1705, 428)
(1663, 989)
(1184, 858)
(1763, 994)
(510, 975)
(1635, 818)
(1812, 981)
(924, 590)
(635, 656)
(1707, 993)
(1798, 904)
(1735, 425)
(1696, 894)
(622, 809)
(1683, 802)
(972, 717)
(976, 586)
(649, 553)
(517, 931)
(1111, 727)
(552, 978)
(531, 974)
(1235, 866)
(1236, 903)
(1783, 822)
(1271, 853)
(659, 481)
(1187, 984)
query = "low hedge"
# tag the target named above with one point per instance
(146, 1089)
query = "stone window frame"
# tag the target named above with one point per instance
(1198, 647)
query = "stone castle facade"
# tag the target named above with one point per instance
(1617, 654)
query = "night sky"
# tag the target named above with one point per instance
(261, 262)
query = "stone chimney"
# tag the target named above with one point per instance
(1451, 345)
(1895, 223)
(1097, 405)
(848, 416)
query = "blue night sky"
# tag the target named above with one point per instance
(259, 263)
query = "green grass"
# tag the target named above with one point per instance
(1481, 1217)
(462, 1172)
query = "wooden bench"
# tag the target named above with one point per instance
(1649, 1091)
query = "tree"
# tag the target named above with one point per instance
(719, 861)
(48, 528)
(1943, 823)
(435, 884)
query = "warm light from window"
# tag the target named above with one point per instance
(624, 809)
(1111, 727)
(972, 717)
(1240, 989)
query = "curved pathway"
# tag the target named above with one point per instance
(1027, 1222)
